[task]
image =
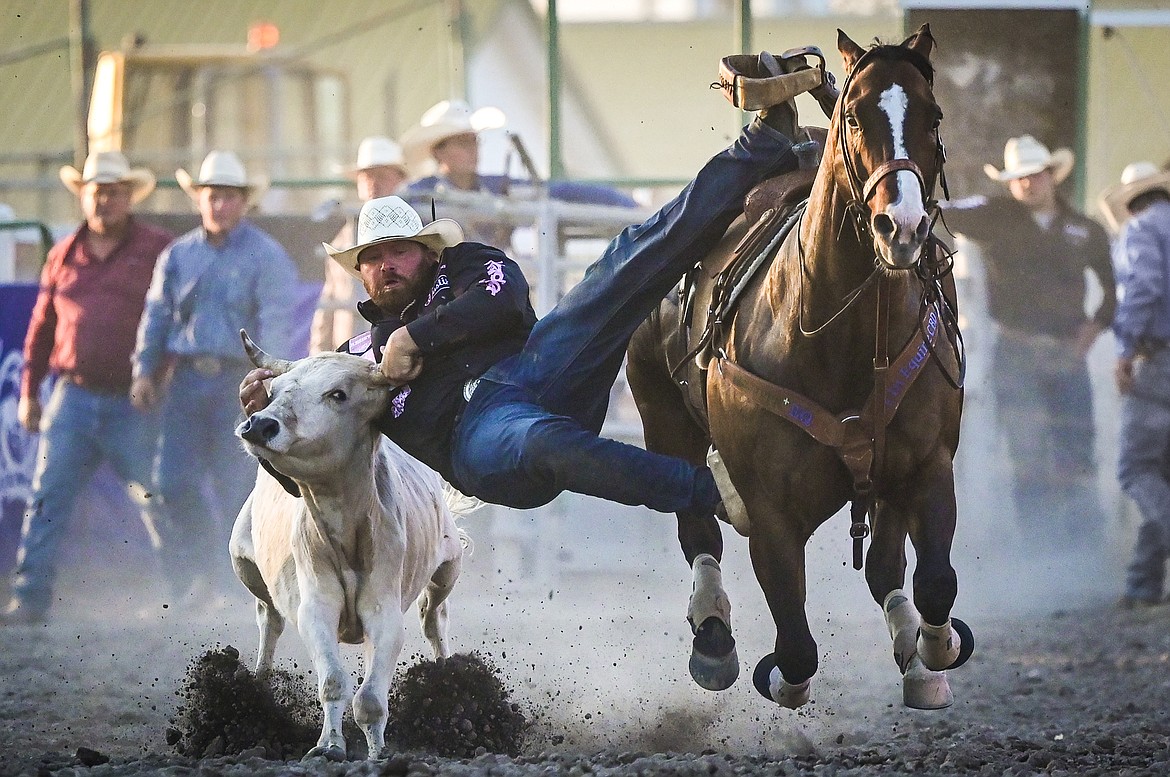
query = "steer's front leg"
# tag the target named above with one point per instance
(385, 632)
(317, 620)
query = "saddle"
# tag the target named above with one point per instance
(708, 296)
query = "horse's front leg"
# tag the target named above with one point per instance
(777, 552)
(885, 572)
(927, 511)
(943, 642)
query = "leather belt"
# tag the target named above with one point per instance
(94, 387)
(211, 366)
(1148, 346)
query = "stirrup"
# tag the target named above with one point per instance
(734, 510)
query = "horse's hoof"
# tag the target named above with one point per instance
(714, 663)
(947, 647)
(923, 689)
(335, 753)
(966, 642)
(773, 687)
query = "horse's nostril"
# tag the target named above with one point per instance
(884, 225)
(923, 229)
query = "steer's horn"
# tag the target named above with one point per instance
(378, 378)
(262, 359)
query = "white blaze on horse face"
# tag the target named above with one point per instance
(899, 228)
(894, 103)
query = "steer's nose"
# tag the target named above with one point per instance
(259, 429)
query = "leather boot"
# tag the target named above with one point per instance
(826, 94)
(781, 117)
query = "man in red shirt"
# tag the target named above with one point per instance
(83, 328)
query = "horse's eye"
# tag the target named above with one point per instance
(851, 121)
(337, 395)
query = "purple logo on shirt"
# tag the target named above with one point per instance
(495, 277)
(398, 404)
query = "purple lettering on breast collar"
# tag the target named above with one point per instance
(802, 415)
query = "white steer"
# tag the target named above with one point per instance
(371, 533)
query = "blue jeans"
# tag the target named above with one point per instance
(1044, 404)
(530, 429)
(1144, 472)
(80, 430)
(203, 476)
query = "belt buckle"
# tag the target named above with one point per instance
(207, 366)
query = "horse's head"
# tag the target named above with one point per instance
(887, 135)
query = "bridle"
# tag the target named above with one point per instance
(935, 261)
(863, 189)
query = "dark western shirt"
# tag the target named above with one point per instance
(84, 323)
(1036, 275)
(475, 314)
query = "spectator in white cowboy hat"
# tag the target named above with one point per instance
(380, 171)
(1139, 207)
(221, 277)
(1035, 249)
(82, 328)
(448, 134)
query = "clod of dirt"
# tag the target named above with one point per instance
(226, 709)
(456, 707)
(89, 757)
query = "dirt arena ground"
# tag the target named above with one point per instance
(591, 636)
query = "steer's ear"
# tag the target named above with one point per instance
(262, 359)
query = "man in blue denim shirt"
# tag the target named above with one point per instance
(221, 277)
(1141, 205)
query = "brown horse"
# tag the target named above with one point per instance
(834, 378)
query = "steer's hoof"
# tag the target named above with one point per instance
(773, 687)
(328, 752)
(714, 663)
(923, 689)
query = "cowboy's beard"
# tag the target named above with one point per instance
(393, 293)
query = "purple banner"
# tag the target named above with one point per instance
(17, 447)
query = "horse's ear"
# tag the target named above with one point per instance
(850, 51)
(921, 42)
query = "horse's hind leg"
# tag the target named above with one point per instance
(670, 430)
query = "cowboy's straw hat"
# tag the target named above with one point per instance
(378, 151)
(1136, 179)
(1024, 156)
(109, 167)
(390, 218)
(444, 120)
(222, 168)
